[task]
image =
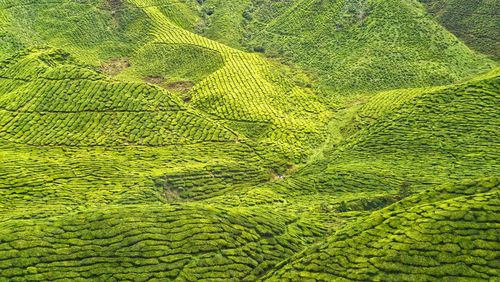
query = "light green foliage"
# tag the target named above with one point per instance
(140, 142)
(248, 89)
(359, 45)
(222, 21)
(181, 242)
(65, 105)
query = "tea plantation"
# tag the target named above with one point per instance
(249, 140)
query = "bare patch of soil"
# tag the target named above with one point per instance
(113, 5)
(154, 80)
(115, 66)
(180, 86)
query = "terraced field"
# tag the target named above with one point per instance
(450, 234)
(304, 140)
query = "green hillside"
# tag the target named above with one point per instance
(451, 234)
(417, 136)
(475, 22)
(361, 45)
(249, 140)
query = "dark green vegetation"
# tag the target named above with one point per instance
(360, 45)
(475, 22)
(299, 140)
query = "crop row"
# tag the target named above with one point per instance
(35, 178)
(209, 181)
(458, 120)
(121, 128)
(80, 96)
(48, 94)
(444, 134)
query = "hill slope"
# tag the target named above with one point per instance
(475, 22)
(451, 237)
(428, 136)
(363, 45)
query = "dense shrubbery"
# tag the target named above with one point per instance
(359, 45)
(475, 22)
